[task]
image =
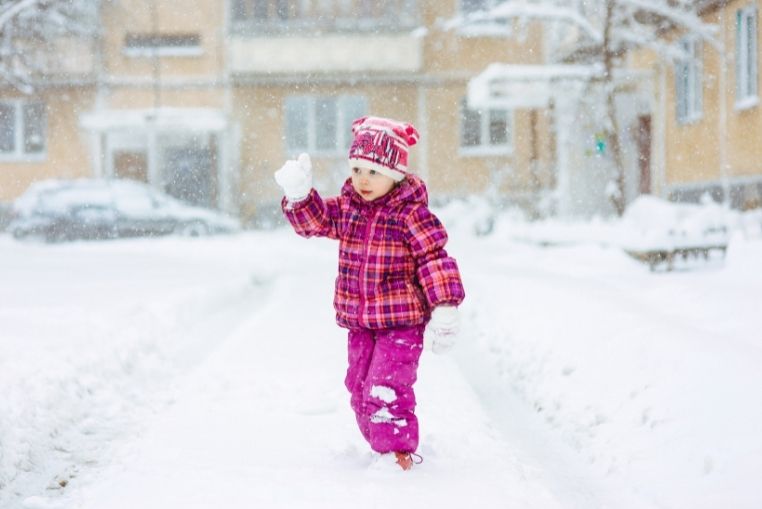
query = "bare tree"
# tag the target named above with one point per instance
(32, 32)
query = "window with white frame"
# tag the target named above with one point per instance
(261, 10)
(22, 130)
(362, 15)
(470, 6)
(484, 27)
(688, 81)
(485, 131)
(165, 45)
(746, 56)
(322, 125)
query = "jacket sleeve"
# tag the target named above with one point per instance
(437, 272)
(313, 216)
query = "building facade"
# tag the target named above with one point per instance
(708, 118)
(205, 100)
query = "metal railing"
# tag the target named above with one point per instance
(284, 16)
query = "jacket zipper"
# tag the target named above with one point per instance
(363, 276)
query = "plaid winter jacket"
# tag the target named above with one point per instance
(393, 268)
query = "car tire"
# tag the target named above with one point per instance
(193, 229)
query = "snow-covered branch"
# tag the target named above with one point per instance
(533, 11)
(685, 18)
(11, 9)
(32, 31)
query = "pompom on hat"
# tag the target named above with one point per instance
(382, 144)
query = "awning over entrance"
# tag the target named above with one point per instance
(196, 119)
(180, 151)
(524, 86)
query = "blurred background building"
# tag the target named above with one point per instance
(206, 99)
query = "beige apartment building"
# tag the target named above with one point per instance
(708, 124)
(205, 99)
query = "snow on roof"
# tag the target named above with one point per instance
(650, 222)
(484, 22)
(523, 86)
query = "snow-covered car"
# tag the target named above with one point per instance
(63, 210)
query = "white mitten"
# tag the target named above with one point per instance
(295, 177)
(443, 328)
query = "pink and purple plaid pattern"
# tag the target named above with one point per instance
(393, 268)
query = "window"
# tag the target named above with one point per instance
(340, 15)
(321, 124)
(746, 57)
(688, 82)
(469, 6)
(22, 130)
(485, 131)
(165, 45)
(262, 10)
(483, 27)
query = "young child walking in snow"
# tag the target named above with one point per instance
(395, 278)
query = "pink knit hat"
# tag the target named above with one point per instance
(382, 144)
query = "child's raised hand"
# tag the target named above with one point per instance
(443, 328)
(295, 177)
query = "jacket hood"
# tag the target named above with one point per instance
(412, 190)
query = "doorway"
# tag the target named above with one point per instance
(131, 164)
(190, 172)
(643, 140)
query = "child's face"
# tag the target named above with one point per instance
(371, 184)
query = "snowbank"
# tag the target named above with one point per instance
(649, 381)
(648, 223)
(646, 378)
(652, 223)
(89, 346)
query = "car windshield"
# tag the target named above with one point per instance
(61, 201)
(133, 200)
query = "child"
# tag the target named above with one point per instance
(394, 275)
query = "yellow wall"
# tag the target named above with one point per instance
(260, 115)
(67, 155)
(172, 16)
(145, 97)
(744, 127)
(447, 171)
(450, 51)
(693, 151)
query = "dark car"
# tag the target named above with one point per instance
(62, 210)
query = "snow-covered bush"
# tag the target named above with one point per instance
(473, 215)
(653, 223)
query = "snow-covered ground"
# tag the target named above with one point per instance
(208, 373)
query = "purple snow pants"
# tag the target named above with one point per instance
(383, 367)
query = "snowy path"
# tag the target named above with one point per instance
(209, 373)
(265, 422)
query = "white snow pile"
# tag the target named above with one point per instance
(92, 335)
(469, 216)
(580, 379)
(648, 223)
(651, 379)
(653, 223)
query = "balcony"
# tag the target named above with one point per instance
(262, 17)
(325, 36)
